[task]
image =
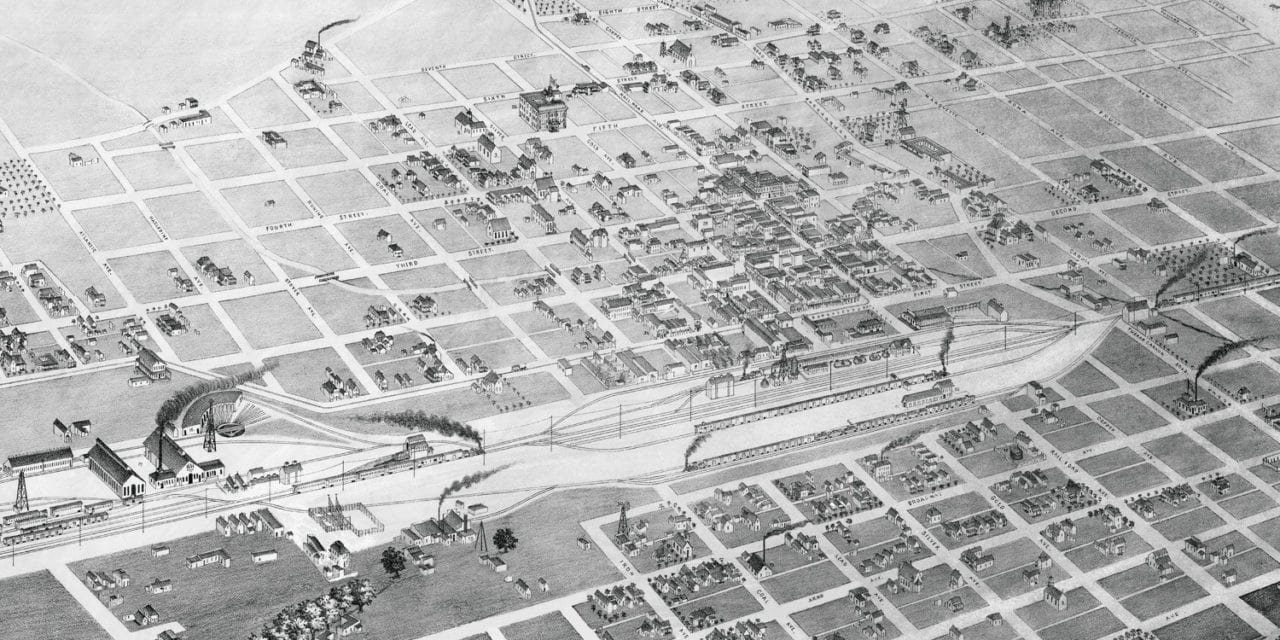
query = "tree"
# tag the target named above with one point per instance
(313, 618)
(505, 540)
(362, 593)
(393, 561)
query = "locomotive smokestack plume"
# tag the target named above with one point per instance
(1180, 273)
(944, 350)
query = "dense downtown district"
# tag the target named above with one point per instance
(595, 319)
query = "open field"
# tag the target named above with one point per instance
(341, 192)
(1245, 318)
(116, 226)
(478, 30)
(1073, 119)
(1216, 211)
(312, 246)
(1086, 380)
(266, 105)
(1129, 359)
(1238, 438)
(186, 215)
(151, 170)
(118, 411)
(270, 319)
(265, 203)
(26, 602)
(464, 590)
(1151, 227)
(550, 625)
(1210, 159)
(1217, 622)
(412, 90)
(1183, 455)
(228, 159)
(1128, 414)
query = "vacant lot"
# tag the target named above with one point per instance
(341, 192)
(1130, 360)
(477, 30)
(1220, 623)
(1217, 212)
(265, 203)
(1124, 104)
(1072, 118)
(1183, 455)
(228, 159)
(1246, 318)
(1086, 380)
(265, 105)
(1210, 159)
(151, 170)
(26, 606)
(270, 319)
(186, 215)
(1153, 227)
(1128, 414)
(1238, 438)
(116, 226)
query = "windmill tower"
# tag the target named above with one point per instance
(482, 542)
(21, 503)
(210, 435)
(623, 525)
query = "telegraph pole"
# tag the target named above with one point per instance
(551, 432)
(619, 420)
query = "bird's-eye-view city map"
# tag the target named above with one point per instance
(640, 320)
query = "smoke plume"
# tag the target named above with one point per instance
(331, 25)
(694, 446)
(1221, 352)
(465, 482)
(944, 351)
(1181, 273)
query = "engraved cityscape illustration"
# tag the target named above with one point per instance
(619, 319)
